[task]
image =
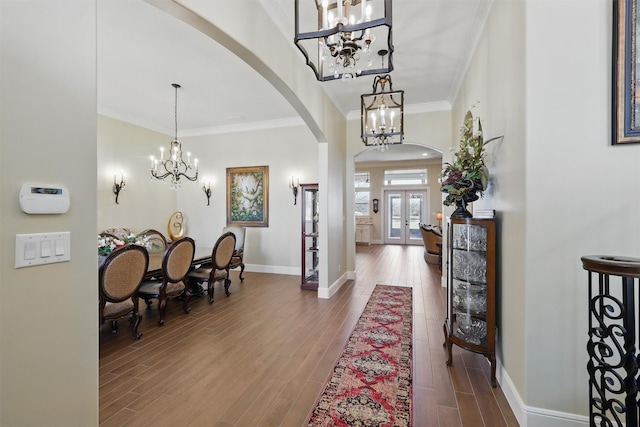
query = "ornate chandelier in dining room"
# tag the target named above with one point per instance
(337, 37)
(382, 115)
(174, 166)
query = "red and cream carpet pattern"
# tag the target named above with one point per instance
(371, 383)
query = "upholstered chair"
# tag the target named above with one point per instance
(220, 261)
(238, 252)
(154, 240)
(119, 278)
(176, 262)
(432, 238)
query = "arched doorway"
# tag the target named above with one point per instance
(402, 203)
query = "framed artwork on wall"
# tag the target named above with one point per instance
(626, 83)
(248, 196)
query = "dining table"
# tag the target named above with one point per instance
(201, 257)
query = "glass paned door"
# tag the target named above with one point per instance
(405, 211)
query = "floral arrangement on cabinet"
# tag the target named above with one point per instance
(465, 179)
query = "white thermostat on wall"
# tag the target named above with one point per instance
(44, 199)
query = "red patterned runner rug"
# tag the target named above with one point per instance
(371, 383)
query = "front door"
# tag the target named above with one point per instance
(405, 211)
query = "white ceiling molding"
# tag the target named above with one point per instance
(245, 127)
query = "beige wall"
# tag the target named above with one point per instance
(430, 129)
(48, 313)
(287, 151)
(147, 203)
(246, 29)
(496, 78)
(542, 75)
(541, 72)
(376, 171)
(143, 203)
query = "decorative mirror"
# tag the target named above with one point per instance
(175, 227)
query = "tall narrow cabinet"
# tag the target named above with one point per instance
(471, 288)
(309, 203)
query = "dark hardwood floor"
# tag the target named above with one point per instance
(261, 356)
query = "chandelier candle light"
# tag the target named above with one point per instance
(337, 37)
(174, 166)
(382, 115)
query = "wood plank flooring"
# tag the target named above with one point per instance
(261, 356)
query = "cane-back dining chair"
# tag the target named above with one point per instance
(219, 271)
(153, 240)
(176, 262)
(119, 278)
(238, 251)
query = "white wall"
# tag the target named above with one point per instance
(48, 313)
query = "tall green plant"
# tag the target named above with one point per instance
(465, 179)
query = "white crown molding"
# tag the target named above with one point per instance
(213, 130)
(244, 127)
(136, 121)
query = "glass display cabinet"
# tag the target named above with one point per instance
(471, 287)
(309, 264)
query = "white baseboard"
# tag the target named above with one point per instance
(530, 416)
(326, 293)
(273, 269)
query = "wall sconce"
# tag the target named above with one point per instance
(117, 187)
(375, 205)
(294, 183)
(206, 187)
(439, 218)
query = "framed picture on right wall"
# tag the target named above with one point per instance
(625, 94)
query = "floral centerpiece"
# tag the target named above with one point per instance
(465, 179)
(108, 244)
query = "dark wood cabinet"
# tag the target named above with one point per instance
(309, 199)
(471, 287)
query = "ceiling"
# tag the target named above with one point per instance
(142, 51)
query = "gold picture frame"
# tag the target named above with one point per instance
(248, 196)
(626, 83)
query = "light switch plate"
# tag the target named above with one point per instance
(57, 248)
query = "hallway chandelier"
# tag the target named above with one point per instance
(382, 115)
(174, 166)
(337, 37)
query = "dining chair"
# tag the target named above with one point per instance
(176, 262)
(238, 251)
(119, 278)
(154, 240)
(219, 271)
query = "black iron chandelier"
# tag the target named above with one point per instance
(174, 166)
(382, 115)
(338, 37)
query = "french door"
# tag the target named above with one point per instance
(405, 211)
